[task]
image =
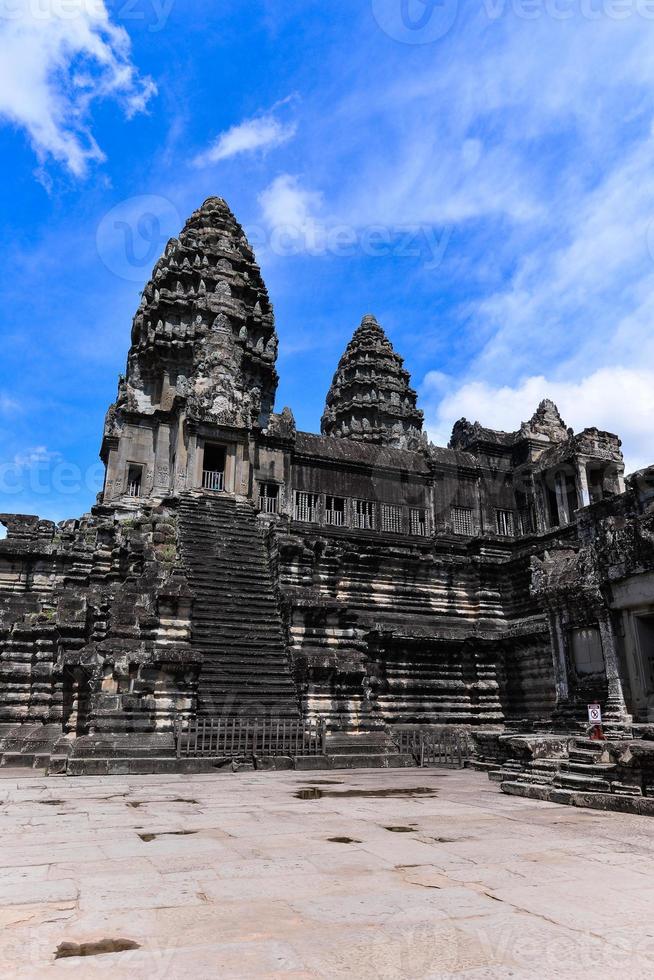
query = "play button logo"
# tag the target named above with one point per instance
(415, 21)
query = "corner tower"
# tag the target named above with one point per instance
(201, 366)
(371, 398)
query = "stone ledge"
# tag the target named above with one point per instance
(593, 801)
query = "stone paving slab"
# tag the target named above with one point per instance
(234, 876)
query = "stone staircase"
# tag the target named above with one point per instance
(589, 768)
(588, 776)
(236, 621)
(28, 746)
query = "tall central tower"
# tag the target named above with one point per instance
(202, 357)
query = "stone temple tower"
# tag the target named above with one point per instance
(203, 355)
(370, 398)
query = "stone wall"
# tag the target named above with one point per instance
(95, 623)
(383, 631)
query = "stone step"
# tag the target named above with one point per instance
(504, 774)
(366, 743)
(600, 769)
(221, 634)
(228, 613)
(266, 693)
(17, 760)
(623, 789)
(370, 761)
(251, 656)
(596, 801)
(545, 765)
(588, 783)
(587, 744)
(247, 577)
(584, 755)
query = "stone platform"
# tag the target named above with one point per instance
(389, 874)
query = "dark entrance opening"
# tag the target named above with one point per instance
(213, 467)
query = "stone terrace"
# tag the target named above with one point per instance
(235, 876)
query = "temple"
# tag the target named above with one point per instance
(363, 578)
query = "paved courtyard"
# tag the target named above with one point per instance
(388, 874)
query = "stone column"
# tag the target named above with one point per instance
(561, 499)
(161, 485)
(559, 646)
(582, 482)
(615, 708)
(113, 476)
(540, 507)
(193, 472)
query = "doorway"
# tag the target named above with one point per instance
(213, 467)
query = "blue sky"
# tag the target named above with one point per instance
(480, 176)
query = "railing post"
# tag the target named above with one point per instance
(178, 737)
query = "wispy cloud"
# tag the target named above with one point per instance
(264, 132)
(35, 456)
(286, 204)
(8, 406)
(56, 59)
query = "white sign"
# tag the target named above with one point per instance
(595, 714)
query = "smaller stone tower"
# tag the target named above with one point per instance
(371, 398)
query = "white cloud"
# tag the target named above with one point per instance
(56, 58)
(35, 456)
(291, 212)
(8, 406)
(616, 399)
(261, 133)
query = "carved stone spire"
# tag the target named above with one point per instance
(204, 332)
(546, 424)
(370, 398)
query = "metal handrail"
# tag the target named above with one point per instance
(213, 480)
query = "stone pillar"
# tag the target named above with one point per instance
(113, 480)
(161, 485)
(559, 647)
(193, 472)
(615, 708)
(540, 507)
(582, 483)
(620, 479)
(561, 499)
